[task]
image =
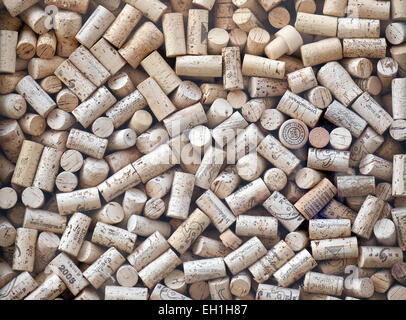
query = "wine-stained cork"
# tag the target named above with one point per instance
(355, 186)
(7, 230)
(373, 113)
(320, 229)
(257, 40)
(251, 226)
(270, 292)
(358, 67)
(364, 9)
(161, 72)
(316, 24)
(223, 15)
(104, 267)
(313, 201)
(341, 85)
(379, 257)
(181, 196)
(377, 167)
(246, 255)
(272, 150)
(385, 232)
(95, 26)
(295, 268)
(174, 34)
(199, 66)
(159, 268)
(202, 270)
(123, 293)
(341, 248)
(109, 236)
(399, 219)
(343, 117)
(233, 77)
(248, 197)
(27, 164)
(108, 56)
(299, 108)
(27, 43)
(42, 220)
(71, 5)
(287, 41)
(399, 176)
(246, 20)
(40, 101)
(255, 66)
(121, 28)
(358, 28)
(366, 48)
(87, 143)
(19, 287)
(37, 19)
(24, 257)
(315, 282)
(220, 289)
(398, 98)
(322, 51)
(75, 80)
(280, 207)
(294, 134)
(161, 292)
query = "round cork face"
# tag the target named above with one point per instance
(294, 134)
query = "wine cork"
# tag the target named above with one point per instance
(255, 66)
(396, 33)
(272, 119)
(366, 48)
(372, 85)
(293, 134)
(6, 275)
(355, 186)
(297, 240)
(320, 97)
(145, 227)
(307, 178)
(246, 142)
(251, 167)
(71, 161)
(233, 76)
(385, 232)
(42, 220)
(161, 292)
(12, 106)
(124, 293)
(200, 138)
(111, 213)
(246, 20)
(67, 100)
(364, 9)
(316, 24)
(93, 172)
(85, 199)
(89, 252)
(315, 53)
(199, 66)
(398, 272)
(127, 276)
(66, 24)
(159, 268)
(237, 98)
(41, 68)
(270, 292)
(358, 67)
(19, 287)
(111, 236)
(32, 124)
(153, 10)
(341, 248)
(218, 112)
(160, 186)
(398, 98)
(377, 167)
(398, 216)
(382, 280)
(8, 198)
(24, 258)
(51, 85)
(243, 257)
(223, 15)
(181, 196)
(36, 18)
(257, 40)
(46, 247)
(71, 5)
(299, 108)
(379, 257)
(174, 33)
(27, 43)
(187, 94)
(340, 139)
(383, 191)
(50, 289)
(279, 17)
(367, 217)
(154, 208)
(328, 160)
(397, 292)
(103, 127)
(146, 39)
(27, 164)
(176, 281)
(287, 41)
(6, 172)
(209, 248)
(275, 179)
(211, 92)
(118, 160)
(320, 283)
(209, 168)
(122, 140)
(251, 226)
(217, 39)
(7, 231)
(121, 85)
(53, 139)
(397, 130)
(46, 45)
(47, 169)
(302, 80)
(295, 268)
(220, 289)
(320, 229)
(358, 28)
(225, 183)
(340, 116)
(108, 56)
(239, 38)
(387, 68)
(335, 8)
(313, 201)
(151, 139)
(161, 72)
(140, 122)
(122, 26)
(202, 270)
(9, 81)
(104, 267)
(74, 234)
(87, 143)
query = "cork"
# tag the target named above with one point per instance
(87, 143)
(151, 139)
(153, 10)
(47, 169)
(154, 208)
(181, 195)
(379, 257)
(256, 66)
(316, 24)
(187, 94)
(220, 289)
(398, 216)
(319, 96)
(385, 232)
(32, 124)
(123, 110)
(54, 139)
(121, 85)
(8, 232)
(397, 130)
(71, 5)
(24, 258)
(313, 201)
(209, 248)
(7, 274)
(295, 268)
(162, 292)
(335, 8)
(108, 56)
(383, 191)
(257, 40)
(74, 234)
(19, 287)
(210, 167)
(176, 281)
(50, 289)
(358, 28)
(145, 40)
(46, 45)
(367, 217)
(315, 53)
(27, 43)
(294, 134)
(124, 293)
(85, 199)
(111, 213)
(160, 186)
(363, 9)
(340, 248)
(111, 236)
(159, 268)
(51, 85)
(399, 176)
(122, 140)
(217, 39)
(45, 250)
(7, 169)
(12, 106)
(297, 240)
(174, 34)
(233, 75)
(398, 98)
(104, 267)
(397, 292)
(89, 252)
(246, 20)
(251, 167)
(320, 283)
(398, 272)
(372, 85)
(270, 292)
(246, 141)
(355, 186)
(66, 24)
(382, 280)
(122, 26)
(398, 11)
(36, 18)
(387, 68)
(279, 17)
(223, 15)
(9, 81)
(200, 138)
(67, 100)
(71, 161)
(307, 178)
(127, 276)
(275, 179)
(41, 68)
(203, 270)
(219, 111)
(199, 66)
(43, 220)
(211, 92)
(225, 183)
(145, 227)
(272, 119)
(320, 229)
(239, 38)
(93, 172)
(358, 67)
(251, 226)
(377, 167)
(287, 41)
(340, 139)
(33, 197)
(367, 48)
